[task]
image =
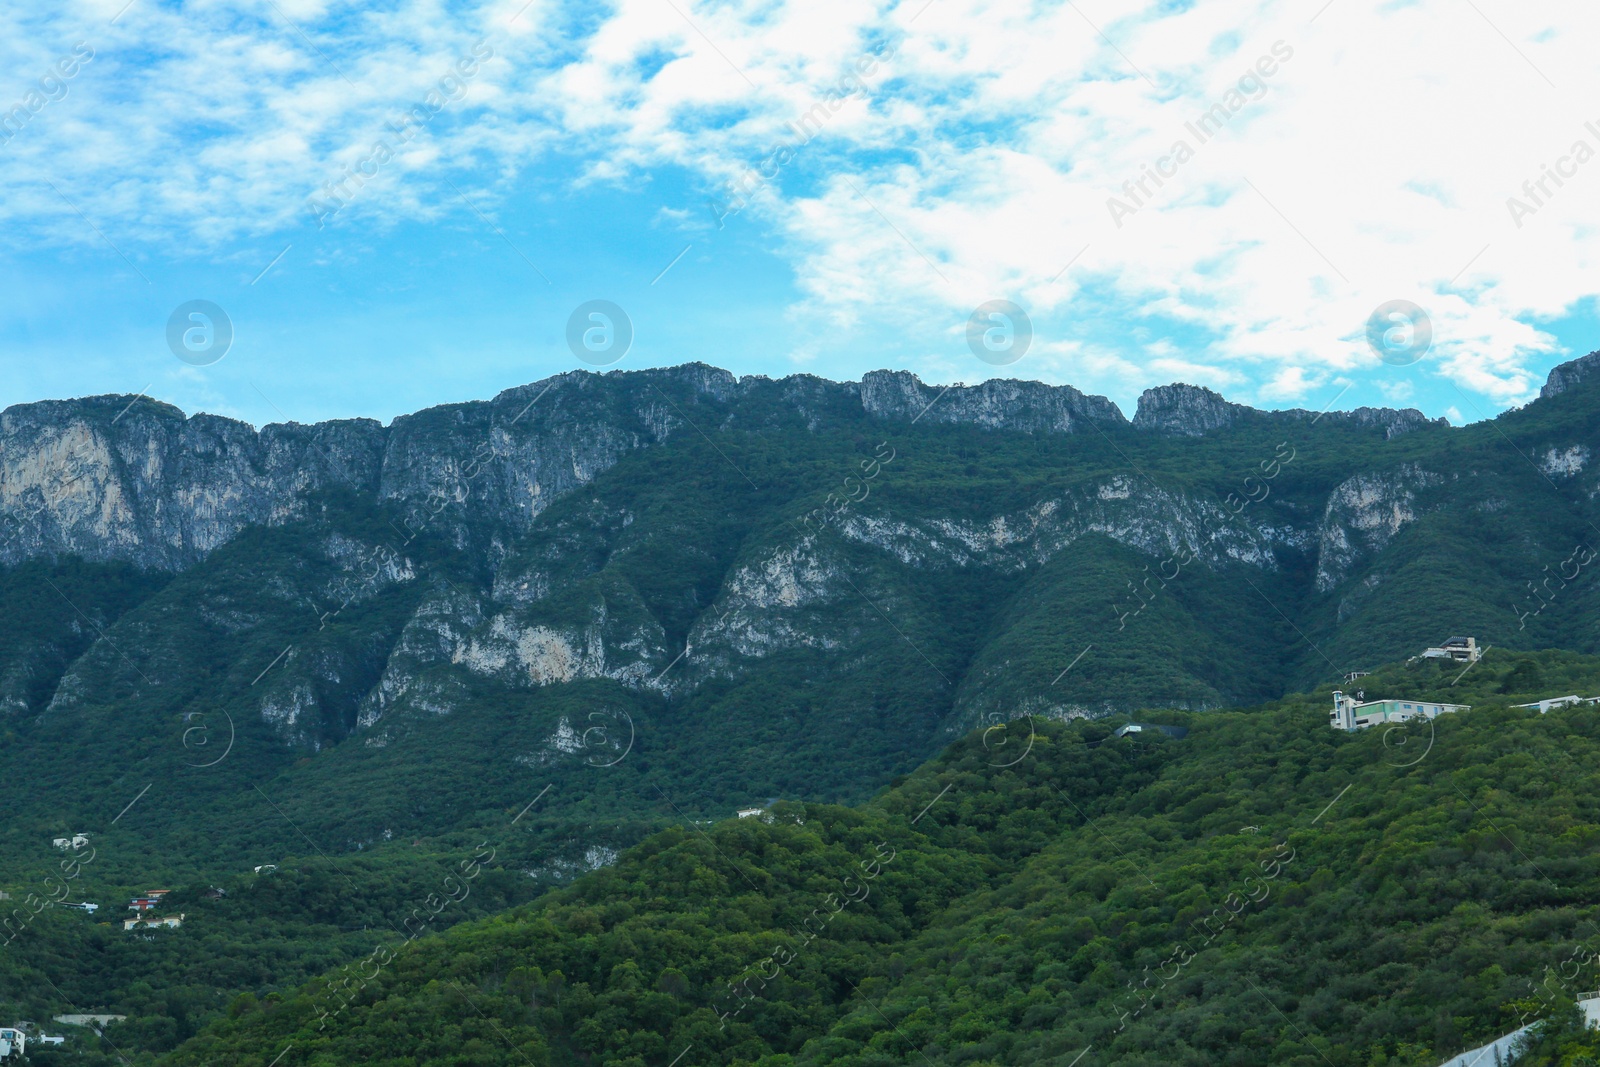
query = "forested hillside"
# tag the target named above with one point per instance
(1264, 890)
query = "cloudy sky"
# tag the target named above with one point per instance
(405, 203)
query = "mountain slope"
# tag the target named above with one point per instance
(1265, 890)
(645, 598)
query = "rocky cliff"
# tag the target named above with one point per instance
(118, 478)
(1569, 374)
(743, 576)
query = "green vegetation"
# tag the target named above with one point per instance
(201, 724)
(1263, 891)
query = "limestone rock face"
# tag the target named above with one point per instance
(103, 480)
(121, 478)
(1566, 375)
(118, 478)
(1363, 515)
(1394, 422)
(1000, 404)
(1185, 410)
(1192, 411)
(497, 568)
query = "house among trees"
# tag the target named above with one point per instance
(148, 901)
(75, 842)
(172, 922)
(1460, 649)
(1146, 727)
(12, 1042)
(1351, 714)
(1548, 703)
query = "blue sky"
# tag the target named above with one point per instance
(958, 152)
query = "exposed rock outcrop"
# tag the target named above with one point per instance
(1185, 410)
(999, 404)
(1363, 515)
(1569, 374)
(119, 478)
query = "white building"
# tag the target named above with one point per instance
(745, 813)
(1460, 649)
(13, 1042)
(1146, 727)
(1545, 705)
(1350, 714)
(76, 841)
(169, 921)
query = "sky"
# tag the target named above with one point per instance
(302, 210)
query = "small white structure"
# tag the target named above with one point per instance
(1548, 703)
(1350, 714)
(1147, 727)
(82, 905)
(89, 1020)
(1506, 1049)
(1353, 675)
(745, 813)
(1460, 649)
(266, 868)
(47, 1039)
(169, 921)
(75, 842)
(13, 1042)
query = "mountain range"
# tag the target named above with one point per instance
(602, 605)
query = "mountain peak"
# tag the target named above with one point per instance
(1185, 410)
(1566, 375)
(999, 403)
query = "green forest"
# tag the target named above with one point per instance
(1263, 890)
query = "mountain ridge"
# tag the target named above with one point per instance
(86, 476)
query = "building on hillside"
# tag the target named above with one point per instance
(1351, 714)
(1460, 649)
(13, 1042)
(1548, 703)
(171, 922)
(75, 842)
(1353, 675)
(267, 868)
(148, 901)
(82, 905)
(746, 813)
(1149, 727)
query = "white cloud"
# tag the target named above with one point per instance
(1374, 163)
